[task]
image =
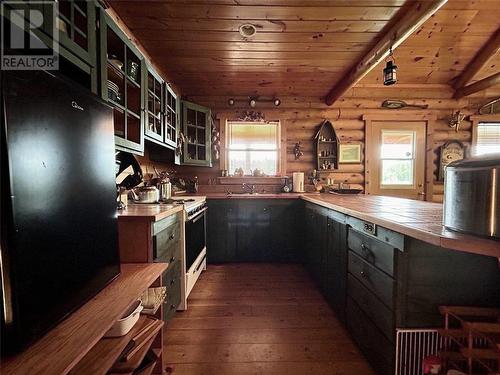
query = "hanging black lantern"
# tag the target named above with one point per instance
(390, 71)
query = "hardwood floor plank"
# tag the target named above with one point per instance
(273, 368)
(215, 353)
(255, 336)
(250, 319)
(254, 322)
(255, 301)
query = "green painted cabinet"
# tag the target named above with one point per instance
(154, 129)
(222, 233)
(197, 130)
(252, 230)
(326, 253)
(172, 120)
(73, 25)
(76, 24)
(123, 85)
(161, 111)
(336, 263)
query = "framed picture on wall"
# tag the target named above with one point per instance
(350, 153)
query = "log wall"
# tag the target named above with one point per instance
(301, 116)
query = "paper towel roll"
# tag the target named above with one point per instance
(298, 182)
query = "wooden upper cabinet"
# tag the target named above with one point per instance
(123, 85)
(197, 129)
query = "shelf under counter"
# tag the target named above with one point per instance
(62, 348)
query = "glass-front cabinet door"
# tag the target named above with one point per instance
(197, 133)
(171, 117)
(76, 24)
(154, 129)
(122, 85)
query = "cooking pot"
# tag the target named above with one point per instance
(472, 196)
(145, 194)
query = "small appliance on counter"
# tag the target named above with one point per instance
(298, 182)
(472, 196)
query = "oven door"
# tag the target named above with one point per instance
(195, 237)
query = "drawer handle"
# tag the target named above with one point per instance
(172, 236)
(367, 250)
(172, 282)
(172, 260)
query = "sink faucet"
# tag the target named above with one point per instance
(248, 188)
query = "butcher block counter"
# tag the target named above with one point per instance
(416, 219)
(150, 212)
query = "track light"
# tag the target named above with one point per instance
(253, 100)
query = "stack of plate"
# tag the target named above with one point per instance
(114, 92)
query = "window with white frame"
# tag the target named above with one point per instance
(253, 145)
(397, 156)
(487, 138)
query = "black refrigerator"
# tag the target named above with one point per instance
(59, 244)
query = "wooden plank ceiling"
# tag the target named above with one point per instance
(302, 47)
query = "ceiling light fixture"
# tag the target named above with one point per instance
(247, 30)
(253, 100)
(390, 69)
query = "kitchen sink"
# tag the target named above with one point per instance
(241, 194)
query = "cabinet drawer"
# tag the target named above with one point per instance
(166, 243)
(172, 275)
(395, 239)
(172, 280)
(375, 280)
(171, 303)
(371, 305)
(379, 351)
(378, 253)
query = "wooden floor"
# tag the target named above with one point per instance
(248, 319)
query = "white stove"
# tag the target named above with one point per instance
(194, 244)
(192, 204)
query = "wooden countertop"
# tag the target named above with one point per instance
(65, 345)
(152, 212)
(417, 219)
(256, 196)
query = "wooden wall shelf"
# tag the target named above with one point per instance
(62, 348)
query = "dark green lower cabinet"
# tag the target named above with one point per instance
(326, 254)
(253, 230)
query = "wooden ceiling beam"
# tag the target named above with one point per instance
(483, 84)
(397, 34)
(490, 49)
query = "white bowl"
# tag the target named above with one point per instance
(122, 326)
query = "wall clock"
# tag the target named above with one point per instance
(450, 152)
